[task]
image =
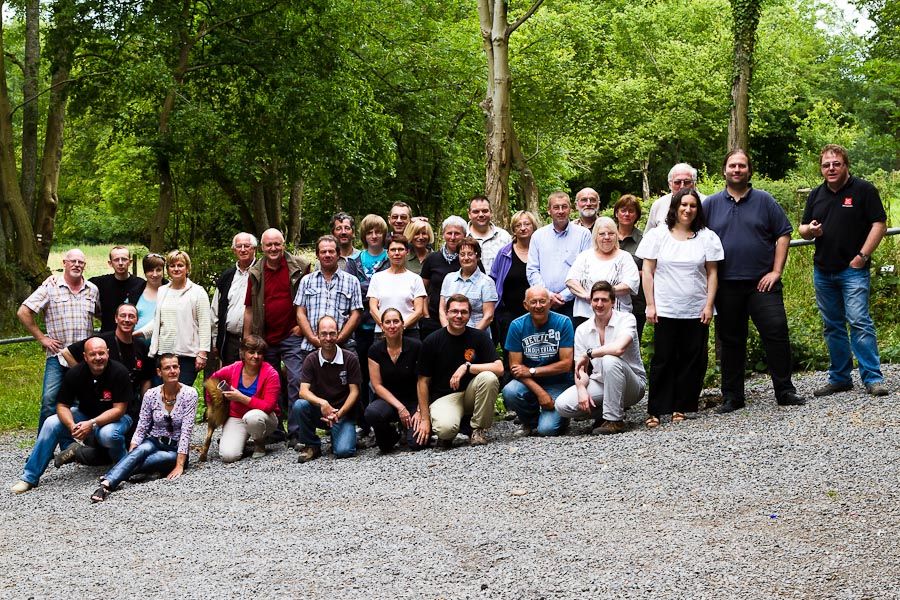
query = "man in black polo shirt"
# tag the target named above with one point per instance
(755, 234)
(846, 218)
(118, 287)
(101, 390)
(133, 357)
(329, 387)
(458, 375)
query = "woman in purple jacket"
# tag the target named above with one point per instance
(508, 272)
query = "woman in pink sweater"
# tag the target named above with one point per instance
(252, 386)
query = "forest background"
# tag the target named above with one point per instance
(164, 124)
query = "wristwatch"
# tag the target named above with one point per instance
(468, 367)
(590, 353)
(532, 370)
(863, 256)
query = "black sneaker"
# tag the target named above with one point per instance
(832, 388)
(791, 399)
(730, 405)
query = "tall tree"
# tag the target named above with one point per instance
(745, 19)
(502, 149)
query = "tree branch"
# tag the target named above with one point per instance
(523, 18)
(14, 60)
(56, 85)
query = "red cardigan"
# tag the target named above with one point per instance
(268, 388)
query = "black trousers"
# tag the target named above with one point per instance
(736, 301)
(678, 365)
(384, 419)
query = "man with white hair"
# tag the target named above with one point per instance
(681, 175)
(228, 299)
(587, 203)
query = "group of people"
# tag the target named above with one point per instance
(397, 340)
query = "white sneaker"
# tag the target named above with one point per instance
(21, 487)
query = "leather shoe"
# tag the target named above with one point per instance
(877, 389)
(309, 453)
(832, 388)
(730, 405)
(791, 399)
(66, 456)
(610, 428)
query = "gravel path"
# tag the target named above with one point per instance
(768, 502)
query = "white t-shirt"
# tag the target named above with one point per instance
(679, 285)
(588, 270)
(396, 290)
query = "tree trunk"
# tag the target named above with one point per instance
(645, 180)
(30, 112)
(237, 199)
(51, 160)
(502, 151)
(258, 200)
(295, 208)
(745, 15)
(11, 201)
(527, 183)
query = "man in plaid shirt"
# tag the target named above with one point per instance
(69, 305)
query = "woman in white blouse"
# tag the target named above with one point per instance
(604, 262)
(397, 287)
(680, 270)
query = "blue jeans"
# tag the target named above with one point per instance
(343, 433)
(111, 436)
(151, 456)
(519, 399)
(843, 299)
(288, 351)
(53, 376)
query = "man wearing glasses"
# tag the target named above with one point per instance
(587, 203)
(458, 375)
(681, 175)
(69, 304)
(846, 218)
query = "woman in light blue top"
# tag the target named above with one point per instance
(154, 266)
(474, 284)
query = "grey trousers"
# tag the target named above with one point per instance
(617, 389)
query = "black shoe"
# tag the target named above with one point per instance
(791, 399)
(730, 405)
(832, 388)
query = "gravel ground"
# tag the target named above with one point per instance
(768, 502)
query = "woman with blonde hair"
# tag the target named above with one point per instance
(508, 271)
(421, 239)
(181, 324)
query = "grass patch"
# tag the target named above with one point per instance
(22, 373)
(95, 256)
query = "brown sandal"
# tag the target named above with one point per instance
(652, 422)
(678, 417)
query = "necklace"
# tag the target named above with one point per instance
(169, 403)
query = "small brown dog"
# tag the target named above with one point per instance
(216, 413)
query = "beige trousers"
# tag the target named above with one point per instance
(477, 399)
(255, 423)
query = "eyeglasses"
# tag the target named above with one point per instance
(682, 181)
(77, 263)
(170, 426)
(835, 164)
(155, 255)
(459, 312)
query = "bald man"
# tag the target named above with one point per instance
(269, 311)
(91, 409)
(587, 203)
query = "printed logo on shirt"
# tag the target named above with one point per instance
(541, 345)
(848, 202)
(107, 395)
(138, 364)
(469, 354)
(343, 376)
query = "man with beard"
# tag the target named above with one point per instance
(587, 202)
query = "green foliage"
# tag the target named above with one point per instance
(21, 369)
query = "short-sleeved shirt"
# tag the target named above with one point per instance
(748, 229)
(132, 356)
(94, 395)
(443, 353)
(114, 292)
(540, 346)
(331, 380)
(68, 315)
(399, 377)
(846, 216)
(620, 324)
(280, 316)
(679, 283)
(588, 270)
(337, 298)
(396, 290)
(478, 288)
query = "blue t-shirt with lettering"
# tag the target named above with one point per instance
(540, 345)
